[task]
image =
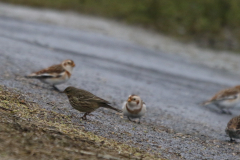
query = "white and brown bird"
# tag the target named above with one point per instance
(226, 99)
(55, 74)
(233, 128)
(134, 107)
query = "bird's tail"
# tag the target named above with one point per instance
(110, 107)
(33, 75)
(29, 76)
(206, 103)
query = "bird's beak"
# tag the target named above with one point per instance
(129, 99)
(73, 65)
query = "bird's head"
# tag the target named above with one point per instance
(68, 65)
(69, 90)
(133, 100)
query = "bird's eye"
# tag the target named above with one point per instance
(134, 99)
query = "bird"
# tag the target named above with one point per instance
(55, 74)
(233, 128)
(226, 99)
(85, 101)
(134, 107)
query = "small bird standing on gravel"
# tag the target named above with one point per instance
(226, 99)
(55, 74)
(134, 107)
(85, 101)
(233, 128)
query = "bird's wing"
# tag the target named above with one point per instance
(228, 94)
(87, 96)
(54, 71)
(85, 104)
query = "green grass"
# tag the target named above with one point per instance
(213, 23)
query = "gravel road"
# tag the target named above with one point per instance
(171, 85)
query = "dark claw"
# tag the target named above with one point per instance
(129, 119)
(232, 140)
(134, 121)
(84, 117)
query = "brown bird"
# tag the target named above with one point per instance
(226, 99)
(233, 128)
(85, 101)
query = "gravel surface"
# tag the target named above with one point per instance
(172, 85)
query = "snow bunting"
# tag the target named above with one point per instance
(134, 107)
(226, 99)
(85, 101)
(55, 74)
(233, 128)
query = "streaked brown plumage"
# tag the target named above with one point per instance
(233, 128)
(85, 101)
(226, 99)
(224, 94)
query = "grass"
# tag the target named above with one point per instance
(212, 23)
(30, 132)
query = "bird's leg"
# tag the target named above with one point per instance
(133, 120)
(231, 140)
(89, 114)
(229, 112)
(139, 121)
(70, 115)
(223, 111)
(84, 117)
(55, 88)
(34, 84)
(129, 119)
(221, 108)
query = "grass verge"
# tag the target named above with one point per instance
(30, 132)
(209, 23)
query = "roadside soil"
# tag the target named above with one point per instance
(29, 132)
